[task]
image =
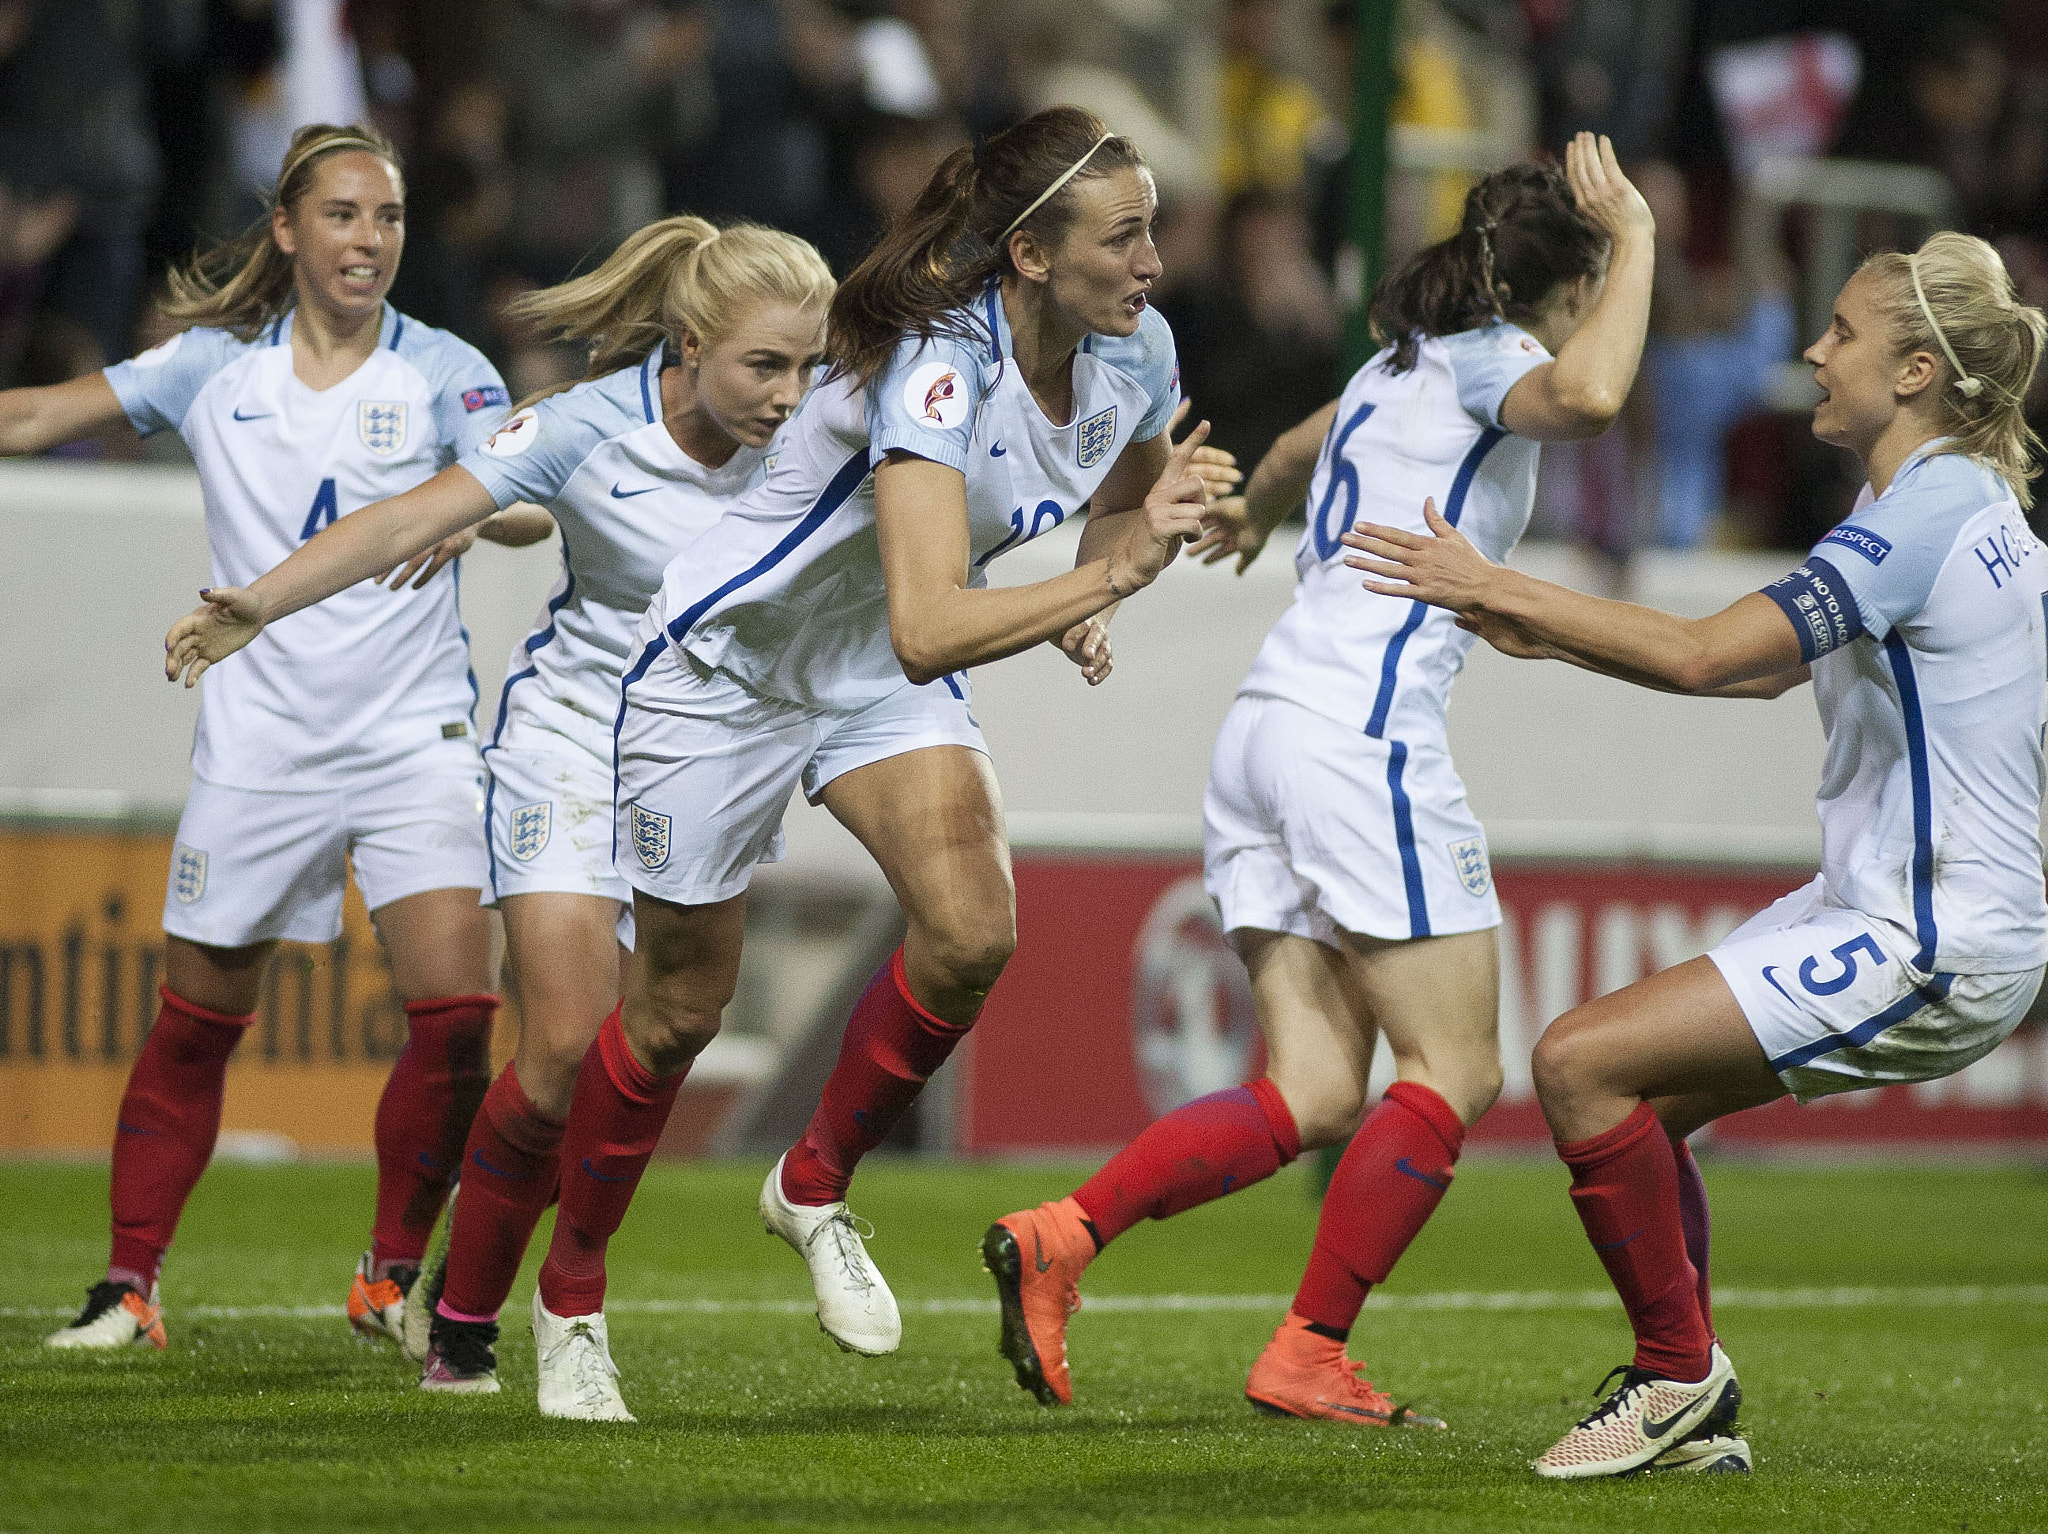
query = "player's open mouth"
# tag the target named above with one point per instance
(1135, 304)
(365, 274)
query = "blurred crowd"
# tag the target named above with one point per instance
(536, 133)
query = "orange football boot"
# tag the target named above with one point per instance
(1036, 1257)
(376, 1306)
(1305, 1374)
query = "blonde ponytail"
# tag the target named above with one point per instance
(243, 284)
(1954, 299)
(681, 275)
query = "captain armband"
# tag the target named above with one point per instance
(1822, 608)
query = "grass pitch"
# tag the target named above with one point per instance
(1882, 1393)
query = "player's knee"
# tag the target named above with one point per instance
(972, 957)
(1325, 1113)
(669, 1038)
(1559, 1063)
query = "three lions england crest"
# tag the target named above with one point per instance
(650, 835)
(532, 824)
(380, 423)
(1097, 434)
(1468, 860)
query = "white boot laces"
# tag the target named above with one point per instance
(847, 1231)
(590, 1365)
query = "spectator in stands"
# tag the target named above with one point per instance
(1271, 118)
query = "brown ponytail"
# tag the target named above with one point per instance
(1522, 235)
(243, 284)
(941, 253)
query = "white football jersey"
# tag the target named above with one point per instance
(786, 590)
(1925, 616)
(1379, 664)
(626, 499)
(368, 675)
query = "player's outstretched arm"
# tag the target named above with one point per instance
(1580, 393)
(36, 420)
(1747, 642)
(357, 547)
(515, 528)
(1241, 524)
(939, 624)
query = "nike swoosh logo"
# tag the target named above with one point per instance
(997, 451)
(1615, 1246)
(1774, 983)
(1355, 1411)
(133, 1129)
(627, 495)
(594, 1172)
(478, 1158)
(430, 1163)
(1409, 1169)
(1655, 1429)
(262, 415)
(1038, 1241)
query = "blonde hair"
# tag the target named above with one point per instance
(680, 275)
(243, 284)
(1954, 298)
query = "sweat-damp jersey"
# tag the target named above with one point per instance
(1925, 617)
(785, 591)
(626, 499)
(359, 680)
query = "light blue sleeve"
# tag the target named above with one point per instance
(1890, 552)
(469, 396)
(1488, 362)
(1151, 359)
(926, 399)
(532, 456)
(157, 388)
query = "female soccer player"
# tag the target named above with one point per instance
(995, 366)
(703, 343)
(344, 740)
(1923, 624)
(1351, 876)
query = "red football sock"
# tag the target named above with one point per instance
(1693, 1217)
(1392, 1176)
(1202, 1150)
(164, 1133)
(614, 1121)
(1625, 1186)
(509, 1170)
(891, 1048)
(423, 1118)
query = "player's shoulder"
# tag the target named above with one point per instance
(607, 406)
(1931, 503)
(441, 356)
(1146, 355)
(201, 349)
(1491, 344)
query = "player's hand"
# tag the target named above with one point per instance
(1218, 468)
(1230, 528)
(1087, 646)
(231, 618)
(1171, 515)
(1603, 193)
(1508, 636)
(428, 562)
(1441, 567)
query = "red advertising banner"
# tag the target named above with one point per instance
(1124, 1001)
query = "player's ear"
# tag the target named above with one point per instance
(281, 230)
(1032, 260)
(1916, 372)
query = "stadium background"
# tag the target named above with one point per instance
(1628, 830)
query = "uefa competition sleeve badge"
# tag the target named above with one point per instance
(650, 835)
(1468, 858)
(934, 396)
(532, 824)
(381, 425)
(1093, 440)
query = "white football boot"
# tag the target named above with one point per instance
(114, 1316)
(578, 1380)
(855, 1308)
(415, 1329)
(1644, 1416)
(1716, 1446)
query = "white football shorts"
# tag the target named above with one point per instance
(549, 806)
(251, 865)
(1834, 999)
(1313, 828)
(706, 766)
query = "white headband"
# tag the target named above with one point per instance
(1970, 387)
(1068, 175)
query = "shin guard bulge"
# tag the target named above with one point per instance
(164, 1132)
(1625, 1187)
(423, 1118)
(509, 1168)
(1200, 1151)
(1388, 1183)
(891, 1048)
(615, 1120)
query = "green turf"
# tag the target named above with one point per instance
(1893, 1416)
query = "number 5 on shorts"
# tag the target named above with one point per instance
(1846, 953)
